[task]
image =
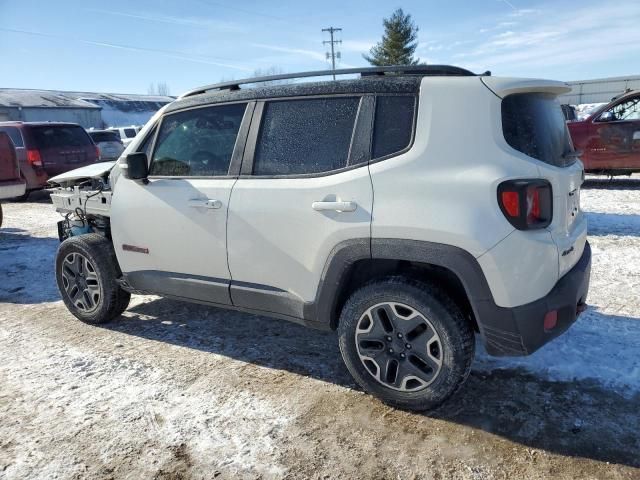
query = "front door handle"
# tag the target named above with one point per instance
(334, 206)
(206, 203)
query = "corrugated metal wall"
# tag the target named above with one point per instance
(599, 90)
(87, 117)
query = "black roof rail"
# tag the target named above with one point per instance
(422, 70)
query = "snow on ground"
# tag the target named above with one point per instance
(174, 390)
(603, 344)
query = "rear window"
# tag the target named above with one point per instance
(15, 135)
(533, 123)
(60, 136)
(393, 125)
(104, 137)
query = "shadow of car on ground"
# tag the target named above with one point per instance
(577, 418)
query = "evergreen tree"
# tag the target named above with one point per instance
(398, 42)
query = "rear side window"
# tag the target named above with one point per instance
(129, 132)
(533, 124)
(305, 136)
(15, 135)
(104, 136)
(197, 142)
(60, 136)
(393, 125)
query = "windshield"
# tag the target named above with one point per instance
(533, 123)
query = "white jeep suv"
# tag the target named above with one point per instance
(410, 209)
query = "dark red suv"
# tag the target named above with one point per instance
(609, 138)
(46, 149)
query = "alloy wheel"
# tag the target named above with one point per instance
(398, 346)
(80, 281)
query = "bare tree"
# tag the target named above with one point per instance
(266, 72)
(161, 88)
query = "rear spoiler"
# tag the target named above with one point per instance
(507, 86)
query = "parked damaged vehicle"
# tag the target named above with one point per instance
(609, 138)
(347, 205)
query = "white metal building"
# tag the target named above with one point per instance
(600, 90)
(89, 109)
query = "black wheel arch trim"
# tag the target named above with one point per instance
(504, 331)
(460, 262)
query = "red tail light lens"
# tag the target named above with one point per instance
(527, 204)
(33, 157)
(97, 153)
(511, 203)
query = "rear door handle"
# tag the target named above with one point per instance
(206, 203)
(334, 206)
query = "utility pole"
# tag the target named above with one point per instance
(333, 55)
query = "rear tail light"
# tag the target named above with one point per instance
(527, 204)
(33, 157)
(550, 320)
(97, 152)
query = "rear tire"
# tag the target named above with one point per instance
(86, 273)
(406, 342)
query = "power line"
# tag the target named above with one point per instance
(333, 55)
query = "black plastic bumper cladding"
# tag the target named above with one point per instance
(505, 331)
(520, 330)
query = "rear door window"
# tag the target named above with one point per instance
(59, 136)
(393, 127)
(305, 136)
(15, 135)
(197, 142)
(533, 123)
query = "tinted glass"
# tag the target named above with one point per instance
(14, 134)
(305, 136)
(104, 137)
(533, 124)
(197, 142)
(117, 132)
(129, 132)
(393, 125)
(147, 143)
(60, 136)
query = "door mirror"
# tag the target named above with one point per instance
(606, 116)
(137, 166)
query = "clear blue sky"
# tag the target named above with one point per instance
(123, 46)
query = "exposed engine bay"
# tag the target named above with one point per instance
(83, 197)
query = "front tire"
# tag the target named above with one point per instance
(86, 273)
(406, 342)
